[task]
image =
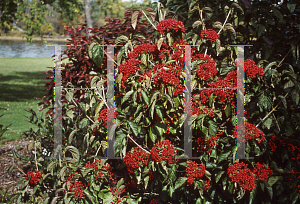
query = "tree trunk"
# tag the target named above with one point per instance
(87, 10)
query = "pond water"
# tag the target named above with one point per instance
(24, 49)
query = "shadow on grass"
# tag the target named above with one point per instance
(16, 91)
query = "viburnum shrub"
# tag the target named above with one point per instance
(149, 139)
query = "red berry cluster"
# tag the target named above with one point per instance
(207, 70)
(293, 177)
(251, 69)
(118, 194)
(261, 172)
(244, 177)
(204, 110)
(210, 35)
(163, 151)
(34, 178)
(274, 143)
(194, 170)
(153, 201)
(251, 132)
(140, 49)
(77, 188)
(167, 25)
(207, 143)
(127, 68)
(104, 117)
(207, 185)
(135, 159)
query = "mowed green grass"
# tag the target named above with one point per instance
(21, 81)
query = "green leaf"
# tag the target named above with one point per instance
(145, 97)
(180, 181)
(295, 96)
(261, 30)
(212, 127)
(228, 110)
(74, 151)
(153, 134)
(121, 39)
(133, 127)
(278, 14)
(288, 84)
(219, 175)
(96, 53)
(127, 95)
(134, 18)
(160, 127)
(84, 123)
(213, 154)
(273, 180)
(158, 110)
(12, 167)
(224, 155)
(268, 123)
(291, 7)
(252, 195)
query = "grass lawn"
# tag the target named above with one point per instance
(21, 81)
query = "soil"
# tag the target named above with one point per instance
(10, 181)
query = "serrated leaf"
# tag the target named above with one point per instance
(121, 39)
(145, 97)
(84, 123)
(180, 181)
(160, 127)
(268, 123)
(288, 84)
(62, 173)
(291, 7)
(212, 127)
(127, 95)
(196, 24)
(273, 180)
(224, 155)
(219, 175)
(134, 18)
(74, 151)
(153, 134)
(133, 127)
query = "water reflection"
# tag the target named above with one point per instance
(24, 49)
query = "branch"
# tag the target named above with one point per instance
(149, 20)
(272, 110)
(225, 21)
(137, 144)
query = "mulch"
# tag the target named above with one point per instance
(10, 181)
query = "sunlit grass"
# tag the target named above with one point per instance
(22, 80)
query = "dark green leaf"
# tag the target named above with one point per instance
(180, 181)
(145, 97)
(133, 127)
